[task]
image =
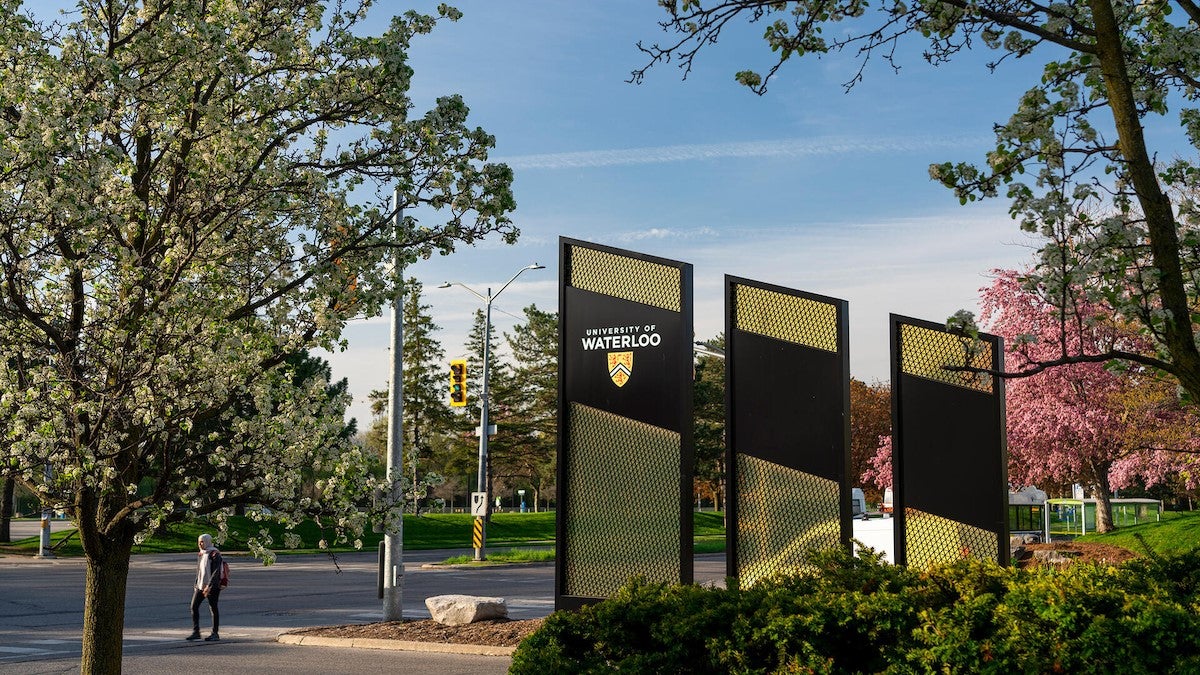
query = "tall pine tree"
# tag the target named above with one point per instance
(460, 455)
(709, 424)
(427, 421)
(526, 456)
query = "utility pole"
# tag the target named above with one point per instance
(393, 556)
(44, 550)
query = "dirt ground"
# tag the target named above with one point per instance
(495, 633)
(1062, 553)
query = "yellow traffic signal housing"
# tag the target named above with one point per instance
(458, 383)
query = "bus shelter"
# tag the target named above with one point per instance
(1077, 517)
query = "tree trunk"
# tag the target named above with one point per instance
(1178, 336)
(104, 606)
(1104, 521)
(6, 509)
(722, 487)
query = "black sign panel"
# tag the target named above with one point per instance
(949, 451)
(788, 428)
(952, 463)
(625, 449)
(620, 355)
(790, 404)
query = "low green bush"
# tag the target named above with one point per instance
(861, 615)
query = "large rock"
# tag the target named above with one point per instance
(457, 610)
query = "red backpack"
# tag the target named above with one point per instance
(224, 570)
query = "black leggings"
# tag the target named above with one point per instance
(197, 598)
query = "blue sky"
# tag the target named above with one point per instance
(807, 187)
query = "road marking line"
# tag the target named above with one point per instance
(24, 650)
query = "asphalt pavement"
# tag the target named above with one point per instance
(20, 529)
(41, 609)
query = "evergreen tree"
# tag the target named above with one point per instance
(708, 432)
(427, 419)
(427, 416)
(525, 457)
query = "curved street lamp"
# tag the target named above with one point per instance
(480, 522)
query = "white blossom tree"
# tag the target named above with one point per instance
(192, 192)
(1121, 221)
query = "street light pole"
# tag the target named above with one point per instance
(481, 478)
(481, 521)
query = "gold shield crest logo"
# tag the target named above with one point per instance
(620, 367)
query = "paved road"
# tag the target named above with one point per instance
(41, 601)
(20, 529)
(41, 611)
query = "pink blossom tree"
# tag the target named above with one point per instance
(1083, 422)
(879, 469)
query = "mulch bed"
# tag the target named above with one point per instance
(1062, 553)
(493, 633)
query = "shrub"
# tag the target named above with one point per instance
(861, 615)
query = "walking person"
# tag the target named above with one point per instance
(208, 585)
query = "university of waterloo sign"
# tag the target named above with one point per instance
(620, 363)
(625, 411)
(623, 357)
(626, 452)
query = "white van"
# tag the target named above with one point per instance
(858, 503)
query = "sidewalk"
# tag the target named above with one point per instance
(879, 534)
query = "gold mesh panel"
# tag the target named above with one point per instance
(924, 352)
(787, 317)
(623, 513)
(783, 514)
(932, 539)
(626, 278)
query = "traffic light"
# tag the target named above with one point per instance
(458, 383)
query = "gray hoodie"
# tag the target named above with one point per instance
(208, 566)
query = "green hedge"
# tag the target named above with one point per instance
(861, 615)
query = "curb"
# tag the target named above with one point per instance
(483, 565)
(18, 559)
(397, 645)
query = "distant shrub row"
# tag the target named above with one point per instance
(861, 615)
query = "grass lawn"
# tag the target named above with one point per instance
(1178, 532)
(504, 556)
(429, 531)
(708, 532)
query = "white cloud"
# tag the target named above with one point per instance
(664, 233)
(926, 267)
(786, 148)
